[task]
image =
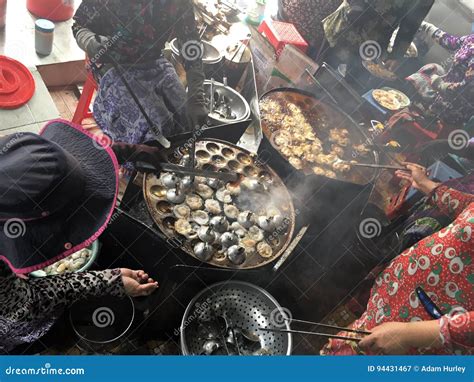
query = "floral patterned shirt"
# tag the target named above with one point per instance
(359, 21)
(441, 264)
(138, 29)
(29, 308)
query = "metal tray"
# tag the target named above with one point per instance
(323, 117)
(221, 156)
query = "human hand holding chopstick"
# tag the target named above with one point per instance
(418, 177)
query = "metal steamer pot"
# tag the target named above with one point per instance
(246, 308)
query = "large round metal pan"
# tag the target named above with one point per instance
(323, 117)
(216, 155)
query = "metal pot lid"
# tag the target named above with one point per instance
(102, 320)
(211, 54)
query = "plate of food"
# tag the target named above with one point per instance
(80, 261)
(386, 99)
(379, 71)
(400, 96)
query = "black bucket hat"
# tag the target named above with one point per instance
(58, 191)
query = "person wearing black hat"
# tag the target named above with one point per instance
(57, 195)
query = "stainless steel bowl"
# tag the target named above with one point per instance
(247, 306)
(238, 105)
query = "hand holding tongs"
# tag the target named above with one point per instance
(319, 324)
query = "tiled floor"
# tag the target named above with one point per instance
(30, 117)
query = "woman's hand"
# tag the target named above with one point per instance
(388, 338)
(137, 283)
(394, 338)
(418, 178)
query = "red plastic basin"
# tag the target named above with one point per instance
(54, 10)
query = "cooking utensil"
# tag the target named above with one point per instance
(340, 328)
(215, 155)
(230, 327)
(150, 169)
(380, 166)
(245, 305)
(311, 334)
(323, 117)
(379, 71)
(102, 323)
(248, 335)
(320, 324)
(291, 249)
(223, 99)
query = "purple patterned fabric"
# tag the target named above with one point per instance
(450, 94)
(161, 94)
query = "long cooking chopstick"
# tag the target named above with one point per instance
(332, 327)
(381, 166)
(311, 334)
(327, 326)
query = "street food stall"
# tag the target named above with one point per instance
(264, 225)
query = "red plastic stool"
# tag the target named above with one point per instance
(82, 109)
(281, 34)
(397, 203)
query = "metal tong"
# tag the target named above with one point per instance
(319, 324)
